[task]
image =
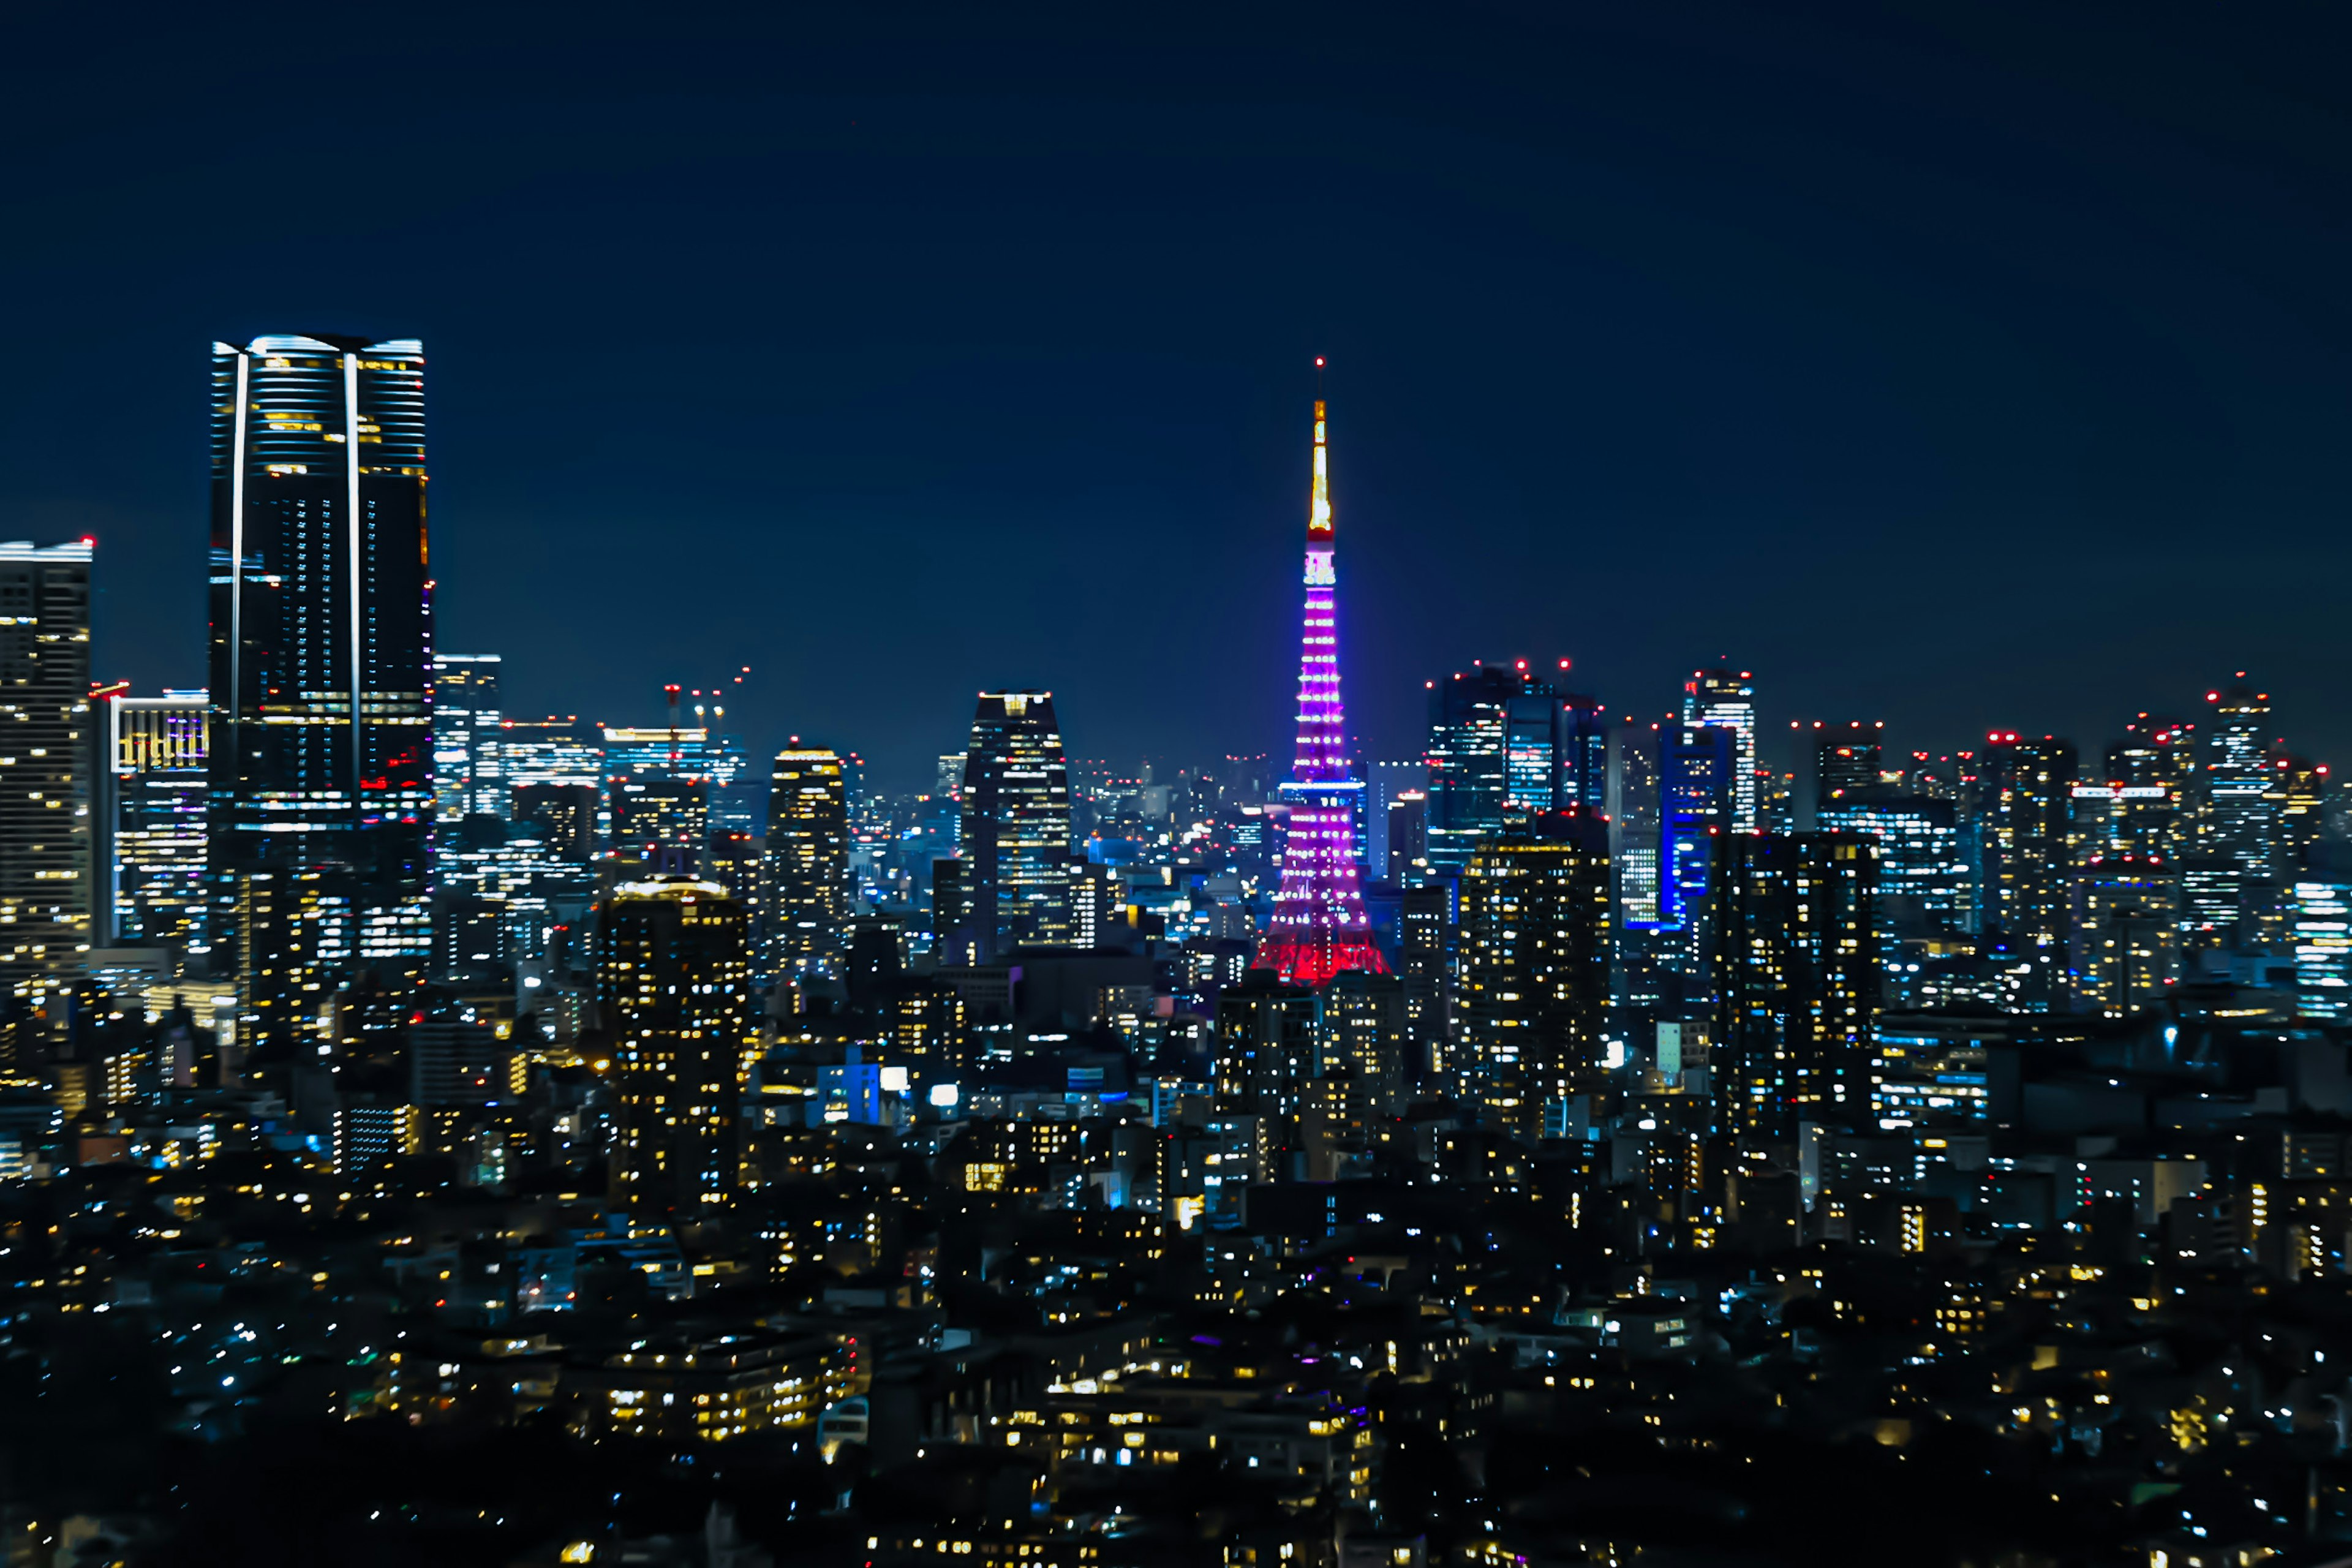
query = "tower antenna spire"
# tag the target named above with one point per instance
(1319, 928)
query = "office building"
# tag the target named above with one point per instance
(1015, 830)
(2124, 947)
(2238, 818)
(1847, 759)
(1503, 739)
(322, 654)
(2322, 936)
(468, 731)
(1389, 783)
(150, 822)
(46, 882)
(1925, 882)
(551, 752)
(2156, 753)
(1534, 959)
(564, 816)
(651, 815)
(1408, 837)
(2029, 789)
(672, 983)
(808, 861)
(1364, 1030)
(1799, 950)
(1726, 698)
(1698, 777)
(1319, 928)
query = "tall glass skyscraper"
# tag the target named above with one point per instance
(1505, 739)
(321, 646)
(1726, 698)
(45, 863)
(467, 780)
(808, 861)
(2237, 818)
(1016, 823)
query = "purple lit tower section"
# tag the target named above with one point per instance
(1318, 928)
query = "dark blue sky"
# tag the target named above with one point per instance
(1949, 365)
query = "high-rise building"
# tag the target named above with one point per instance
(2156, 753)
(808, 861)
(2124, 947)
(551, 752)
(1426, 935)
(1583, 784)
(44, 810)
(1797, 919)
(654, 815)
(1847, 758)
(1389, 783)
(2322, 935)
(1924, 880)
(1503, 739)
(2299, 797)
(2238, 818)
(1697, 770)
(1016, 823)
(1726, 698)
(1319, 928)
(1364, 1029)
(566, 815)
(467, 729)
(1408, 837)
(674, 986)
(1535, 951)
(2030, 790)
(554, 770)
(149, 820)
(321, 639)
(1634, 824)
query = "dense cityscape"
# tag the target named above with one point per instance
(1618, 1133)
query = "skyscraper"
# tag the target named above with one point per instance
(673, 982)
(1502, 739)
(467, 780)
(44, 827)
(2237, 818)
(1847, 758)
(808, 861)
(150, 824)
(1535, 951)
(2030, 787)
(1797, 924)
(1319, 926)
(1016, 823)
(322, 636)
(2124, 951)
(1726, 698)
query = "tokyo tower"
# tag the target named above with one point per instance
(1319, 928)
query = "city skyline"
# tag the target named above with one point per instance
(905, 762)
(2048, 381)
(691, 873)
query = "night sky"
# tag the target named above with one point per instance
(1952, 365)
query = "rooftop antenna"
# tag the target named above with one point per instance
(671, 692)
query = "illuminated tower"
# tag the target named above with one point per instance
(322, 744)
(1728, 698)
(1016, 823)
(808, 859)
(1319, 928)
